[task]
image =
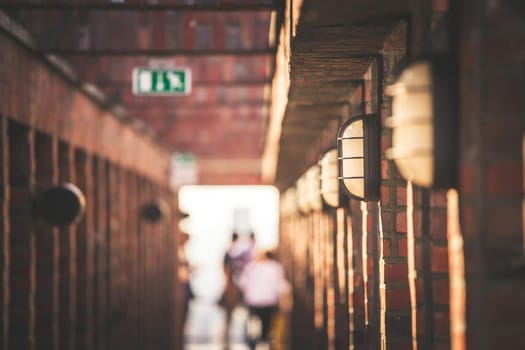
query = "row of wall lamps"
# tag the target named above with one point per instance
(65, 204)
(424, 142)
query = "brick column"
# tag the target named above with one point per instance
(67, 284)
(491, 172)
(438, 284)
(326, 230)
(22, 240)
(47, 250)
(113, 277)
(132, 260)
(84, 257)
(428, 268)
(370, 256)
(356, 288)
(141, 298)
(100, 201)
(166, 275)
(395, 296)
(4, 232)
(457, 273)
(342, 247)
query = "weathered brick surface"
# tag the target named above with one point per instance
(47, 249)
(38, 97)
(4, 231)
(22, 279)
(489, 201)
(85, 286)
(67, 261)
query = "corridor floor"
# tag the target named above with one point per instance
(205, 327)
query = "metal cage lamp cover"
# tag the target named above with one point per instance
(424, 140)
(358, 147)
(329, 178)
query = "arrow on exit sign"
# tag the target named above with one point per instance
(147, 81)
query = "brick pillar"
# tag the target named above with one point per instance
(355, 276)
(438, 281)
(457, 273)
(370, 258)
(141, 297)
(319, 262)
(326, 230)
(67, 284)
(113, 258)
(100, 201)
(395, 297)
(491, 171)
(47, 250)
(428, 268)
(342, 247)
(356, 288)
(84, 256)
(4, 232)
(165, 275)
(132, 260)
(22, 240)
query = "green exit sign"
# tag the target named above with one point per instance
(147, 81)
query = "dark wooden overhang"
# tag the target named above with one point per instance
(326, 65)
(332, 46)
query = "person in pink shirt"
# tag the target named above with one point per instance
(263, 282)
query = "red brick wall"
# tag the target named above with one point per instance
(399, 298)
(491, 171)
(4, 232)
(47, 252)
(22, 279)
(35, 95)
(444, 270)
(107, 281)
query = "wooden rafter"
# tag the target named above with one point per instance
(151, 53)
(65, 6)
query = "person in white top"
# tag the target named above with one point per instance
(263, 282)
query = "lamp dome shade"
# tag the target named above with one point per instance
(60, 205)
(358, 157)
(313, 183)
(424, 136)
(155, 211)
(329, 178)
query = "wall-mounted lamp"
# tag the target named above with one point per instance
(156, 210)
(358, 147)
(424, 136)
(330, 178)
(313, 188)
(60, 205)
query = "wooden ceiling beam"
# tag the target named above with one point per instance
(152, 53)
(107, 6)
(197, 83)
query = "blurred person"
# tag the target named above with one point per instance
(236, 258)
(263, 285)
(251, 250)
